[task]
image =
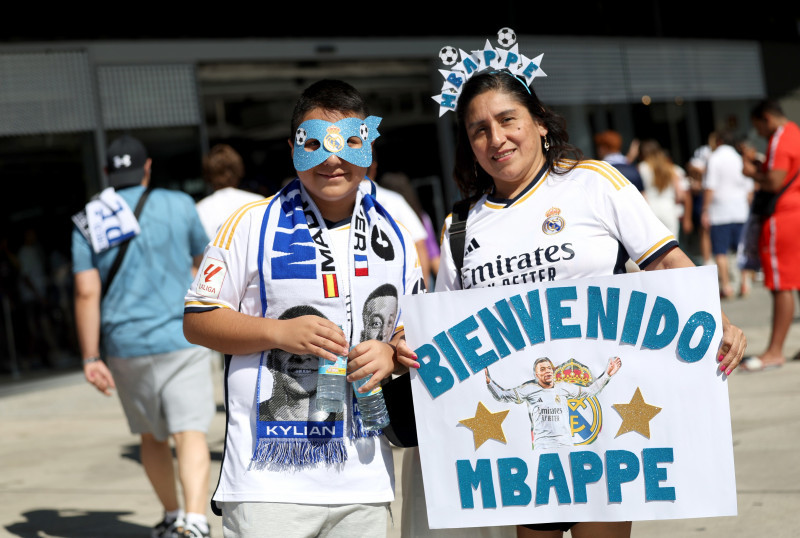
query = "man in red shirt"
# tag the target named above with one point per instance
(779, 242)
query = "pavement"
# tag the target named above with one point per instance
(70, 468)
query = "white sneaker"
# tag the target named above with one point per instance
(189, 530)
(164, 529)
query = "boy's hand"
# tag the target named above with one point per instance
(311, 335)
(370, 357)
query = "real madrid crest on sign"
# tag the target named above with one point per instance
(585, 414)
(333, 141)
(554, 223)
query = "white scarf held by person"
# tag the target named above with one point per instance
(297, 269)
(107, 221)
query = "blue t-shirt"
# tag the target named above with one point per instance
(142, 312)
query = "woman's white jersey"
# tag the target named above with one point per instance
(587, 222)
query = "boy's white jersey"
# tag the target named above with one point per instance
(367, 475)
(586, 222)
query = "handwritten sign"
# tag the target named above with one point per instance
(595, 399)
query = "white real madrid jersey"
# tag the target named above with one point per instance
(586, 222)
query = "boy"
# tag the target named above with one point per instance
(322, 244)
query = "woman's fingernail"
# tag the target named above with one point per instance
(728, 372)
(722, 367)
(416, 364)
(720, 357)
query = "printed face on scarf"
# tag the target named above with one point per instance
(379, 317)
(332, 183)
(299, 373)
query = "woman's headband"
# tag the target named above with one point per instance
(505, 59)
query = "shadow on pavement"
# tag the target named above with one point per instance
(74, 524)
(133, 453)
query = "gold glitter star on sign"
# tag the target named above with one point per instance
(486, 425)
(636, 415)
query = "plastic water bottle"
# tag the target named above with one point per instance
(372, 406)
(332, 384)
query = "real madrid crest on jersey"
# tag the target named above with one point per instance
(585, 414)
(554, 223)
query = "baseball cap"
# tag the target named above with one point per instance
(125, 161)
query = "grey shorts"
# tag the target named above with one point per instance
(166, 393)
(254, 520)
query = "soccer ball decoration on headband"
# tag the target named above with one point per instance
(506, 37)
(448, 55)
(500, 59)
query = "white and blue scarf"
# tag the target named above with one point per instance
(106, 221)
(298, 271)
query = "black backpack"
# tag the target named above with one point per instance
(458, 233)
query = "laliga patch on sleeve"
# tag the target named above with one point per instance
(212, 275)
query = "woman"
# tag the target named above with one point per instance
(663, 188)
(514, 163)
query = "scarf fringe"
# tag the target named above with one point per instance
(298, 452)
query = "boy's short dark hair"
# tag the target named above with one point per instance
(328, 94)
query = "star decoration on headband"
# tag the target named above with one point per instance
(506, 57)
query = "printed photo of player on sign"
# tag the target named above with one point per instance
(548, 396)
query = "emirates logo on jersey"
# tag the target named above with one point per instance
(554, 222)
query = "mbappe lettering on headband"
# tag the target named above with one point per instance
(505, 58)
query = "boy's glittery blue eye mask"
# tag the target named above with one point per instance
(333, 140)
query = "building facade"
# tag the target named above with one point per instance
(62, 102)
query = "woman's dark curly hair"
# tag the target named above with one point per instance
(471, 179)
